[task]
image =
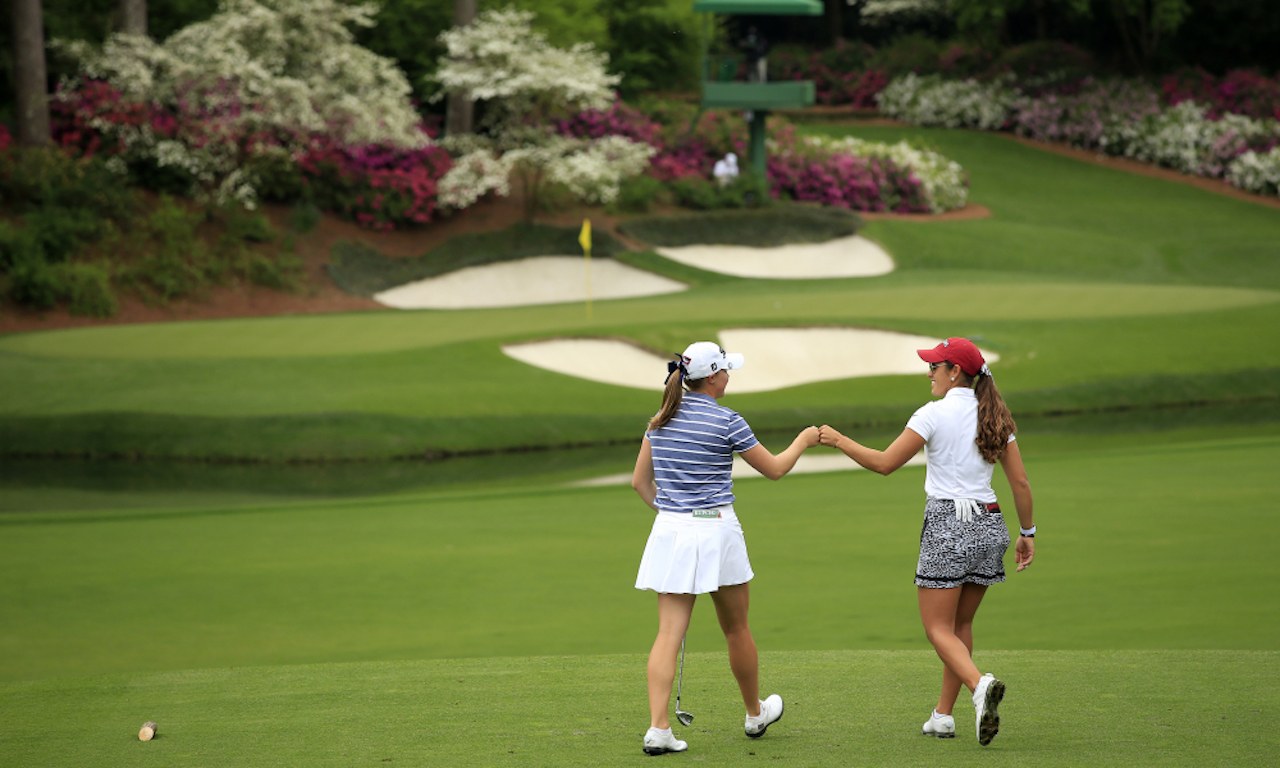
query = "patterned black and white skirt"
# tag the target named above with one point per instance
(953, 552)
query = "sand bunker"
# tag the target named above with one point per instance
(853, 256)
(536, 280)
(777, 358)
(562, 279)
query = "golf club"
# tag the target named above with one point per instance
(684, 717)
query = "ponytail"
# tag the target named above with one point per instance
(673, 393)
(995, 422)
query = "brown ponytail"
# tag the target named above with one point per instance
(672, 395)
(995, 422)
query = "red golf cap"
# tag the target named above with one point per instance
(962, 352)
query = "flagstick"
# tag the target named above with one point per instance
(584, 239)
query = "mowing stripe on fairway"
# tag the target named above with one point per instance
(844, 708)
(380, 332)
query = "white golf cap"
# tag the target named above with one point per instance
(703, 358)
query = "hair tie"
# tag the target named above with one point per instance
(985, 371)
(672, 367)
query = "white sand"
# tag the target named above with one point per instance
(817, 459)
(562, 279)
(852, 256)
(536, 280)
(776, 358)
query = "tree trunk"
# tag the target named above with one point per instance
(133, 17)
(29, 75)
(460, 111)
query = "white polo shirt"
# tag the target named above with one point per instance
(955, 469)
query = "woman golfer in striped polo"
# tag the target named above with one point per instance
(696, 545)
(964, 538)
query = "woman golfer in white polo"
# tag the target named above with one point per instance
(964, 538)
(696, 545)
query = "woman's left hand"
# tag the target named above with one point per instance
(1024, 552)
(827, 435)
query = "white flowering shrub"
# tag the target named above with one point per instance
(258, 74)
(1119, 117)
(884, 12)
(474, 175)
(595, 171)
(930, 100)
(501, 60)
(1256, 172)
(526, 84)
(1183, 137)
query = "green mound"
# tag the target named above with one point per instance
(768, 227)
(362, 270)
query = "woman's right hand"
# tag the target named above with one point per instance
(809, 436)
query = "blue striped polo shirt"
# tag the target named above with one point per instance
(693, 454)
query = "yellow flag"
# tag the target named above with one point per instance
(584, 239)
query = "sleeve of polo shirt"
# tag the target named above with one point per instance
(739, 433)
(924, 421)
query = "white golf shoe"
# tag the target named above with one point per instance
(986, 698)
(942, 726)
(658, 742)
(770, 713)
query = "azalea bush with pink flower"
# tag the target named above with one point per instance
(848, 174)
(618, 120)
(377, 186)
(841, 74)
(1241, 91)
(845, 181)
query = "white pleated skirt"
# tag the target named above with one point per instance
(691, 555)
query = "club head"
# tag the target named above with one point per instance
(685, 718)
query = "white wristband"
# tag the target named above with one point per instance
(1028, 531)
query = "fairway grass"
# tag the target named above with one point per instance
(1141, 548)
(843, 708)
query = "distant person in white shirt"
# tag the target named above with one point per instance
(696, 545)
(964, 539)
(726, 169)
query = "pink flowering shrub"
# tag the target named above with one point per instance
(686, 154)
(82, 120)
(376, 186)
(618, 120)
(1241, 91)
(1100, 116)
(840, 74)
(844, 181)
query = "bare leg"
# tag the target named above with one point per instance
(940, 611)
(731, 608)
(673, 621)
(970, 598)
